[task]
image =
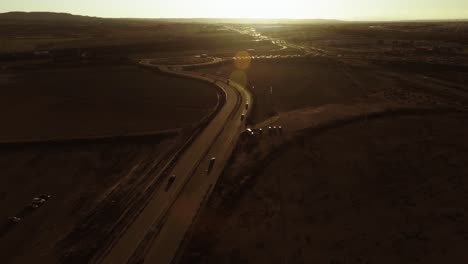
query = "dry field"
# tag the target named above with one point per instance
(384, 190)
(120, 37)
(55, 103)
(79, 177)
(285, 85)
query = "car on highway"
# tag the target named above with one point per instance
(170, 181)
(246, 106)
(211, 164)
(38, 201)
(270, 130)
(242, 117)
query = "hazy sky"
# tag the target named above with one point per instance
(339, 9)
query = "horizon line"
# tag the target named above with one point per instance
(250, 18)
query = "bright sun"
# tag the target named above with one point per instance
(268, 8)
(264, 9)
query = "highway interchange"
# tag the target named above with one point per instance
(158, 231)
(155, 235)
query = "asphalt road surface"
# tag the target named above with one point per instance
(156, 234)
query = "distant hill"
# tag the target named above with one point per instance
(250, 20)
(51, 16)
(43, 16)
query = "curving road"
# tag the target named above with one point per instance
(157, 232)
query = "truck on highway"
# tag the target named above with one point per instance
(211, 164)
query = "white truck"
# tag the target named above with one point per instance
(211, 164)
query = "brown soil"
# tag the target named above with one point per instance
(313, 82)
(77, 176)
(121, 37)
(386, 190)
(98, 101)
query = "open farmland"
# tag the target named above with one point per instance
(121, 37)
(286, 85)
(370, 38)
(56, 103)
(291, 84)
(108, 175)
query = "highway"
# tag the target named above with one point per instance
(157, 232)
(282, 44)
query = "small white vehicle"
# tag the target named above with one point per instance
(274, 130)
(38, 201)
(211, 164)
(172, 178)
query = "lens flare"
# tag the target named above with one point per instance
(242, 61)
